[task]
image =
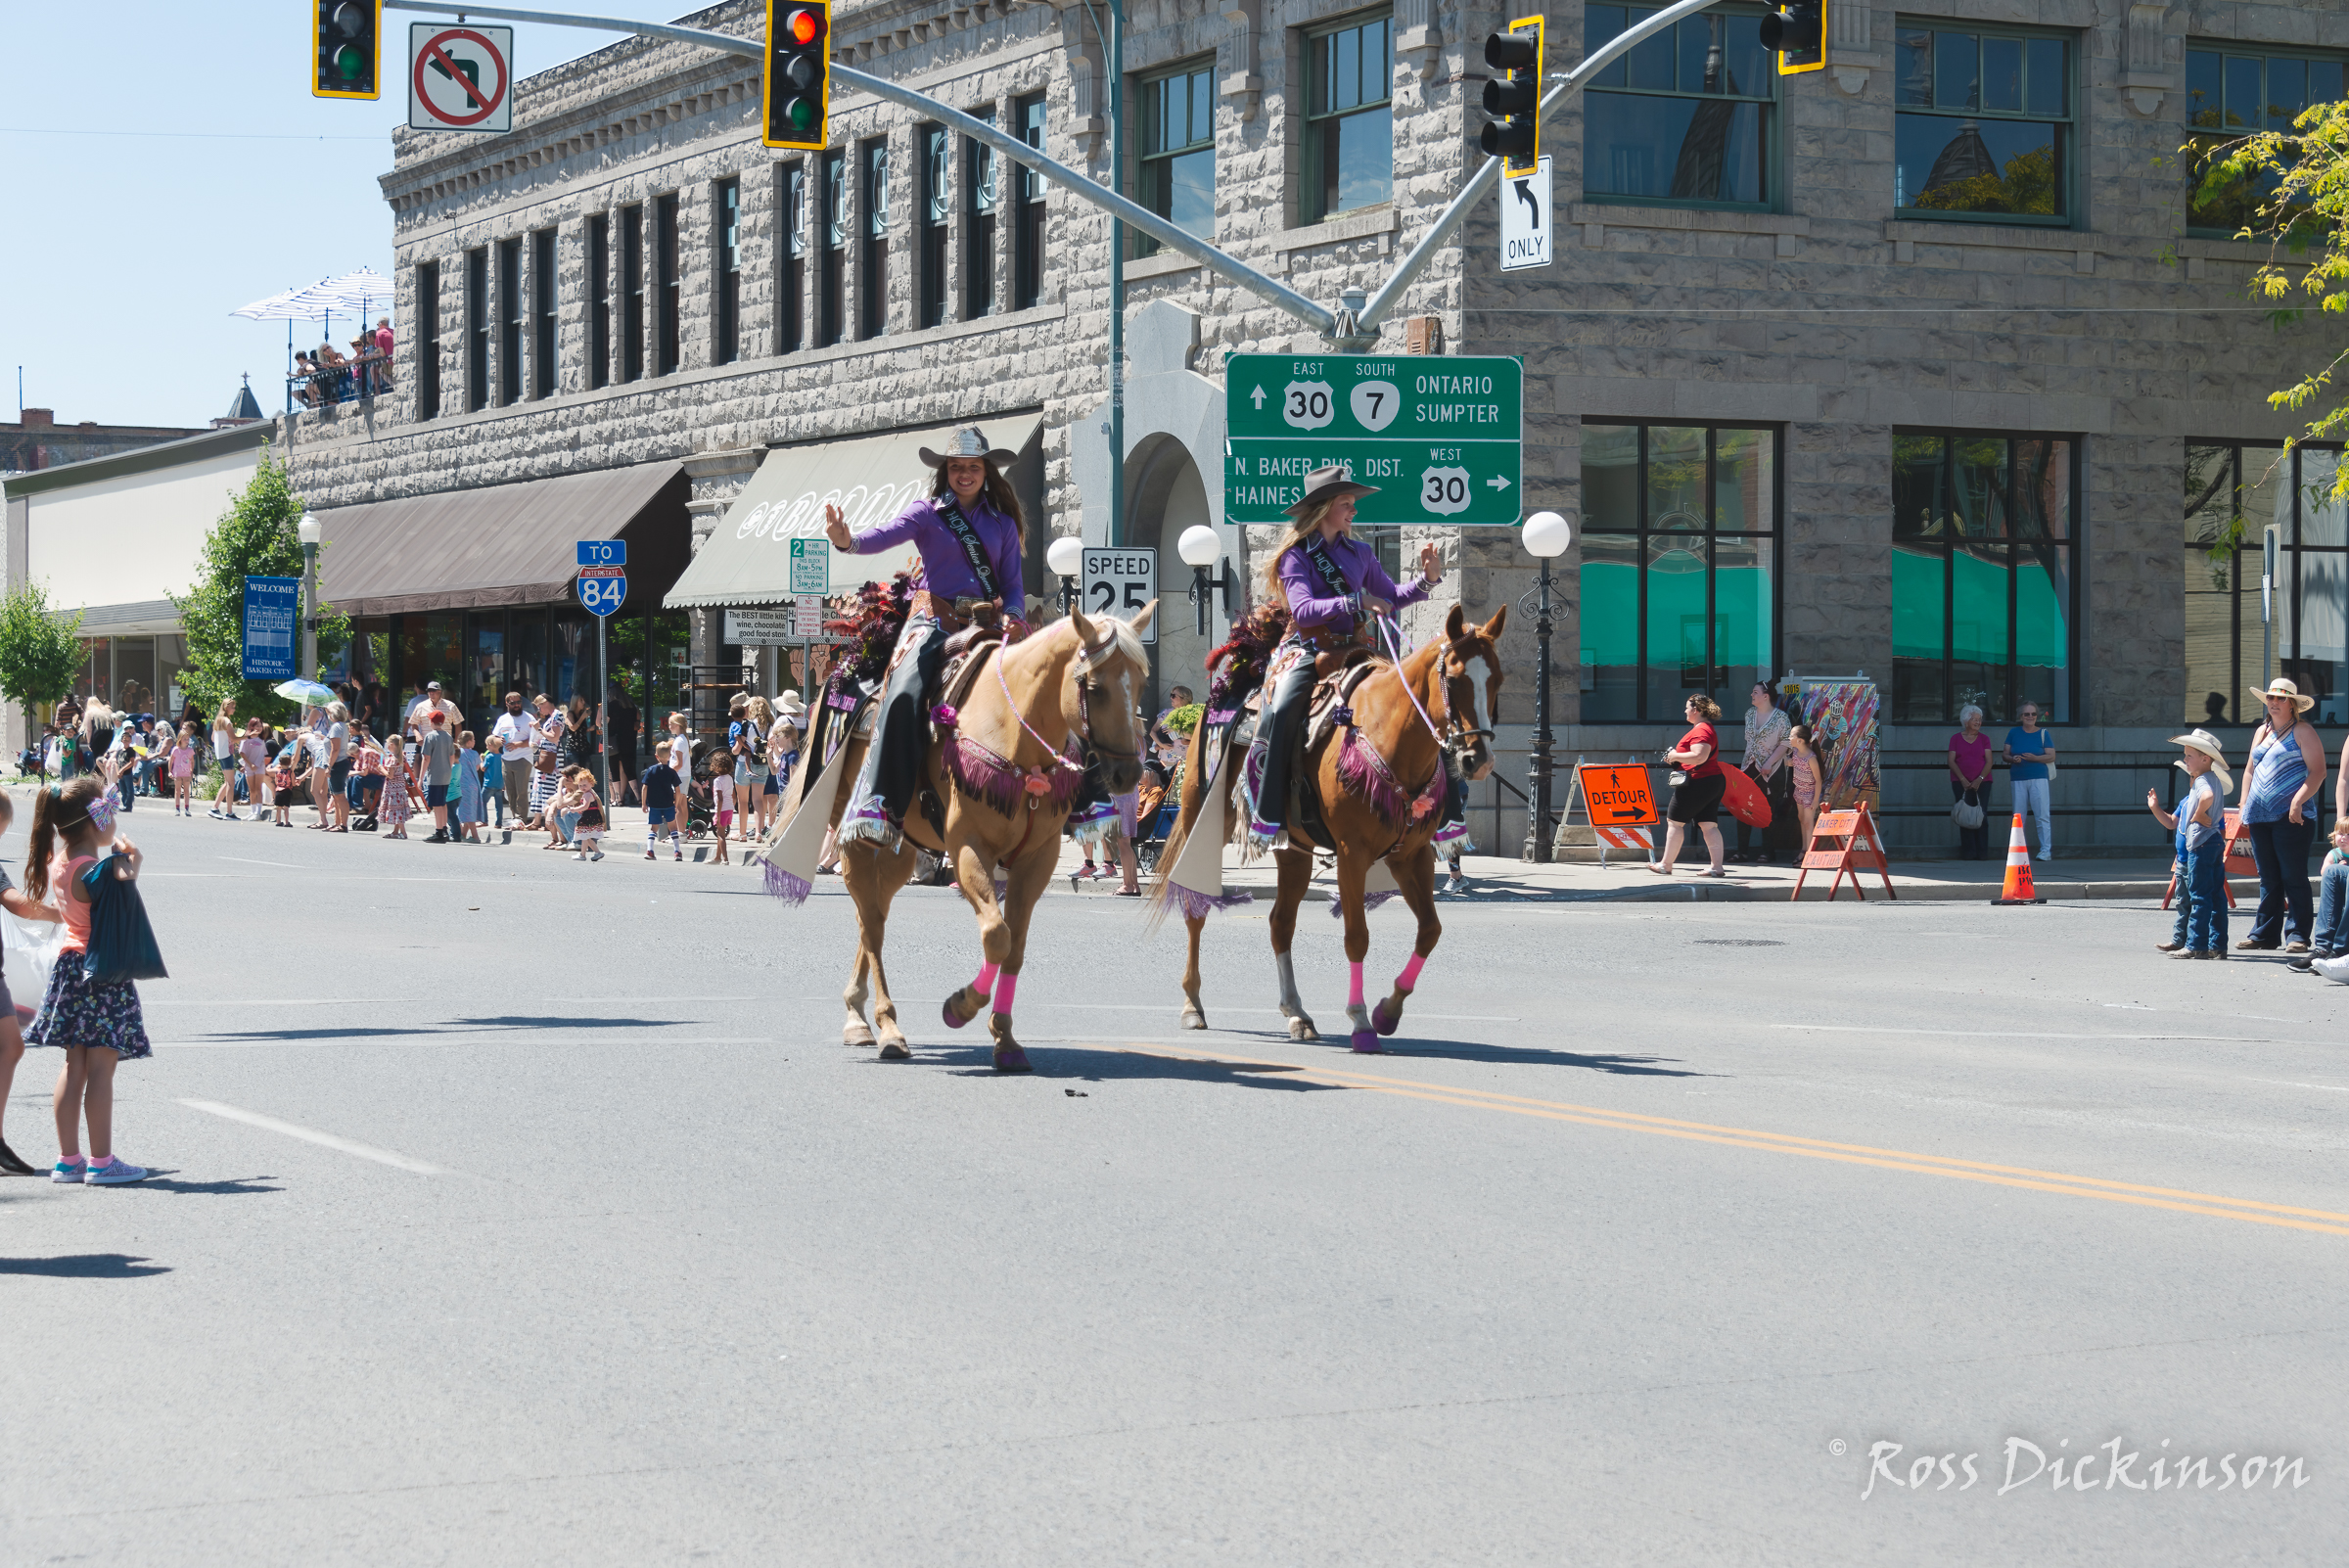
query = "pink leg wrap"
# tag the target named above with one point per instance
(1004, 989)
(1411, 972)
(985, 982)
(1354, 986)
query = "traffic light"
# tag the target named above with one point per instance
(799, 72)
(1515, 135)
(1798, 33)
(347, 48)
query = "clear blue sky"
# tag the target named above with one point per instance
(125, 254)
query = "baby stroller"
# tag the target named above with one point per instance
(700, 817)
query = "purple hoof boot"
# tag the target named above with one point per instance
(954, 1019)
(1365, 1043)
(1011, 1059)
(1384, 1022)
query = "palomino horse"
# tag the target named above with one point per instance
(1006, 773)
(1382, 781)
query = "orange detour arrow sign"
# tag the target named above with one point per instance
(1857, 846)
(1618, 797)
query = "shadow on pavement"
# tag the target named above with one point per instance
(1622, 1066)
(231, 1187)
(1101, 1067)
(84, 1265)
(454, 1025)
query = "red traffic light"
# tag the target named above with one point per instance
(805, 28)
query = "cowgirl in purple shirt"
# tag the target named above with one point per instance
(968, 533)
(1333, 585)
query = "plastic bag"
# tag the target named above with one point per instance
(31, 947)
(121, 942)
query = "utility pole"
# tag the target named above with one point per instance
(1114, 47)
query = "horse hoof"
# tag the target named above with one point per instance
(1303, 1029)
(1365, 1043)
(954, 1019)
(1384, 1022)
(1011, 1059)
(1193, 1018)
(895, 1052)
(857, 1035)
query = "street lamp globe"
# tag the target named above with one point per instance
(1546, 535)
(308, 529)
(1065, 555)
(1199, 545)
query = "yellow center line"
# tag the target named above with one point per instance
(2181, 1201)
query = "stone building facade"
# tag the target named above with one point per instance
(1863, 353)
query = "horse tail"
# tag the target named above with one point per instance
(1195, 785)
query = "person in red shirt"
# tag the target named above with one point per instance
(1697, 798)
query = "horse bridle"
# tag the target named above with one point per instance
(1089, 687)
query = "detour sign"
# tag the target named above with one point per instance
(1618, 797)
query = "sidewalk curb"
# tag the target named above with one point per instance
(1683, 890)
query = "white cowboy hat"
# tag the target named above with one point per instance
(2280, 687)
(2203, 741)
(968, 442)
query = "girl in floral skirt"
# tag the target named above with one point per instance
(393, 813)
(97, 1023)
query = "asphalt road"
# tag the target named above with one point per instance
(521, 1210)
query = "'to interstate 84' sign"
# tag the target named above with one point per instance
(1439, 435)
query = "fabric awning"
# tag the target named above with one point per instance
(503, 544)
(746, 560)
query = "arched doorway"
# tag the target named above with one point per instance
(1166, 495)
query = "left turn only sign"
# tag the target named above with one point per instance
(460, 78)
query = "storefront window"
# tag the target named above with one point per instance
(1679, 565)
(485, 688)
(1982, 580)
(2234, 492)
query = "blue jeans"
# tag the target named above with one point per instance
(2281, 848)
(2202, 896)
(2333, 914)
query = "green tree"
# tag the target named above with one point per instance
(254, 537)
(2293, 185)
(40, 653)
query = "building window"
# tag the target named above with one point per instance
(2229, 94)
(631, 294)
(1178, 153)
(1350, 120)
(831, 325)
(1983, 124)
(2234, 492)
(1680, 566)
(937, 156)
(872, 289)
(1686, 117)
(542, 310)
(727, 346)
(599, 301)
(1983, 586)
(1028, 218)
(667, 283)
(477, 330)
(982, 198)
(511, 322)
(791, 330)
(427, 339)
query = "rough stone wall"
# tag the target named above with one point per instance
(1835, 321)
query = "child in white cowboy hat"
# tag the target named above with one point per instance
(2199, 826)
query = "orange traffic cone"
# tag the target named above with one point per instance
(2018, 889)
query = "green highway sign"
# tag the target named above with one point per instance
(1439, 435)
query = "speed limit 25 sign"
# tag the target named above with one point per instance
(1119, 583)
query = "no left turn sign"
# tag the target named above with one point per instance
(460, 78)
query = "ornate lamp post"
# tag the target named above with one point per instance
(1200, 550)
(307, 531)
(1545, 536)
(1065, 556)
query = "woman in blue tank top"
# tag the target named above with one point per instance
(2286, 768)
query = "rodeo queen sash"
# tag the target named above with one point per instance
(1316, 551)
(974, 550)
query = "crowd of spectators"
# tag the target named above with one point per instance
(325, 375)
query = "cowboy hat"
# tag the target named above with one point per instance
(1324, 483)
(2203, 741)
(968, 442)
(2280, 687)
